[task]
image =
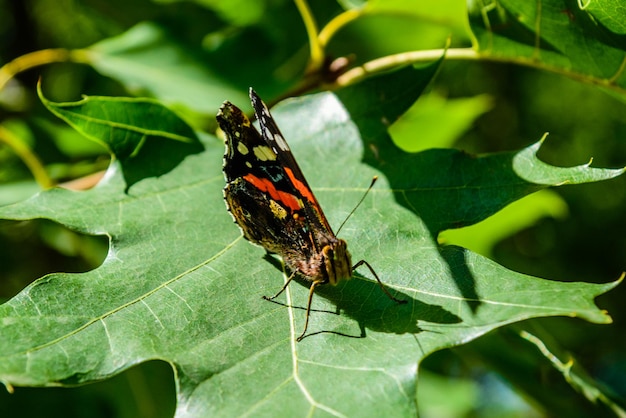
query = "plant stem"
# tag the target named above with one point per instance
(316, 50)
(414, 57)
(31, 60)
(336, 24)
(28, 157)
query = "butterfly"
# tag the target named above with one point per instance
(273, 204)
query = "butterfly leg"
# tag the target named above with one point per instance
(382, 286)
(308, 306)
(308, 310)
(282, 289)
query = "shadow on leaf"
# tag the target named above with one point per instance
(444, 188)
(363, 300)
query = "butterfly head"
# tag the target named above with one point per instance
(337, 261)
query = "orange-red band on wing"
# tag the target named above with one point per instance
(265, 185)
(301, 187)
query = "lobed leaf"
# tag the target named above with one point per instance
(181, 285)
(148, 138)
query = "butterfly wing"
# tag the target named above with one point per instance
(266, 192)
(275, 140)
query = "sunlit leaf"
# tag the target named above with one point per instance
(181, 285)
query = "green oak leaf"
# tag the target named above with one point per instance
(148, 138)
(181, 285)
(566, 37)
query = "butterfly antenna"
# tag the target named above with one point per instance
(374, 179)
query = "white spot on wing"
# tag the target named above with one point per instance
(281, 142)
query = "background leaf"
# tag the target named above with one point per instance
(565, 38)
(136, 58)
(148, 138)
(608, 13)
(439, 121)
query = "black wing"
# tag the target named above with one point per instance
(265, 192)
(275, 139)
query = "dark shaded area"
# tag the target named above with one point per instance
(156, 157)
(38, 247)
(490, 357)
(146, 390)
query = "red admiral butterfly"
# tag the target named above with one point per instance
(272, 203)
